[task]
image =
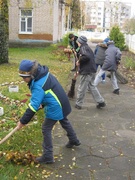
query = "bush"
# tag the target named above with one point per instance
(65, 39)
(117, 37)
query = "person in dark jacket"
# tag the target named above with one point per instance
(112, 59)
(46, 92)
(99, 56)
(87, 71)
(75, 48)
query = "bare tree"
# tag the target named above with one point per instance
(73, 14)
(129, 26)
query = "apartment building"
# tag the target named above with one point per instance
(35, 21)
(101, 15)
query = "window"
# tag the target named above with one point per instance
(25, 21)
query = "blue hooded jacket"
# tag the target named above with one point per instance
(46, 90)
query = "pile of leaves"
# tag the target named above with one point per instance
(23, 158)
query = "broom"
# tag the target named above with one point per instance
(119, 77)
(71, 92)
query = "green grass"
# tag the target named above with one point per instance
(129, 63)
(28, 139)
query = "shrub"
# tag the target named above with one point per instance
(117, 37)
(65, 39)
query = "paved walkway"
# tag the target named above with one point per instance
(107, 150)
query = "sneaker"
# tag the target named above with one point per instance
(43, 160)
(100, 105)
(116, 91)
(103, 81)
(71, 144)
(78, 107)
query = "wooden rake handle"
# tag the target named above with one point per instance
(8, 135)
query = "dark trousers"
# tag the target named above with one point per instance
(47, 135)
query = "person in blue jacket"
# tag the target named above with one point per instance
(47, 92)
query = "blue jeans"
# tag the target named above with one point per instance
(103, 76)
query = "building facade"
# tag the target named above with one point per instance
(101, 15)
(35, 21)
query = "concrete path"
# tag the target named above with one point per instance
(107, 150)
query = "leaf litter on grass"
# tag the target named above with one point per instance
(15, 104)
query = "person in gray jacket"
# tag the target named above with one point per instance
(99, 56)
(87, 71)
(112, 59)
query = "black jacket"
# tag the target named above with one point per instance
(73, 43)
(86, 59)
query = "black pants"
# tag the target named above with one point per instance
(47, 135)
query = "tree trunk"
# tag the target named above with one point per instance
(4, 36)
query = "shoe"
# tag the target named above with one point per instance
(73, 69)
(103, 81)
(71, 144)
(116, 91)
(78, 107)
(100, 105)
(43, 160)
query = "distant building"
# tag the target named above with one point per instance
(101, 15)
(35, 22)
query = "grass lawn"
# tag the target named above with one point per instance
(17, 153)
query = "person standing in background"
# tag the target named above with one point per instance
(99, 56)
(75, 48)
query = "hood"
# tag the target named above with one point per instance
(41, 72)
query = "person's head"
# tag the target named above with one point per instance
(81, 40)
(26, 70)
(110, 42)
(71, 37)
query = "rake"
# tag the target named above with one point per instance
(8, 135)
